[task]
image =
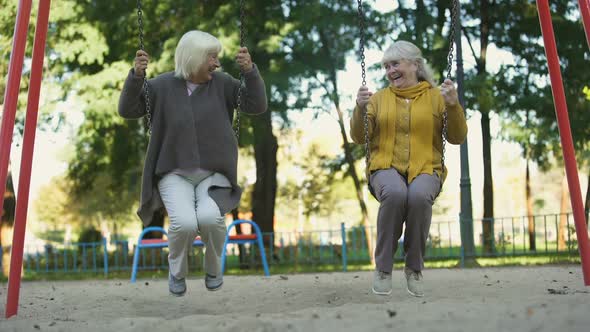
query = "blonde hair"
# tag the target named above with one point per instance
(192, 52)
(404, 50)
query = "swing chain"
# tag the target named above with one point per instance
(364, 77)
(362, 40)
(450, 56)
(454, 10)
(145, 83)
(242, 82)
(140, 23)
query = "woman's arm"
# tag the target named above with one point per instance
(132, 100)
(357, 122)
(253, 95)
(456, 124)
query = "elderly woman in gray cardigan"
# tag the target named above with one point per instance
(191, 163)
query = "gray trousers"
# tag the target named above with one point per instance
(399, 203)
(192, 212)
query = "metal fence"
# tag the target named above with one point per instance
(509, 236)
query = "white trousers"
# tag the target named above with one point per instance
(192, 212)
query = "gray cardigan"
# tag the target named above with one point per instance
(191, 132)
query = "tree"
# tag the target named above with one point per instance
(7, 21)
(53, 207)
(7, 24)
(313, 188)
(264, 44)
(522, 93)
(7, 221)
(312, 46)
(117, 142)
(479, 98)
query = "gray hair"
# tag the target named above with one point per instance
(192, 51)
(404, 50)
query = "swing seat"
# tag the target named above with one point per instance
(255, 238)
(233, 239)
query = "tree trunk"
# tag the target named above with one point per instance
(334, 96)
(587, 208)
(265, 188)
(488, 188)
(529, 207)
(357, 186)
(561, 238)
(105, 232)
(6, 232)
(241, 248)
(7, 222)
(157, 221)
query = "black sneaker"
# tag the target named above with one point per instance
(213, 283)
(176, 286)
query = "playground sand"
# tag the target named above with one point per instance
(549, 298)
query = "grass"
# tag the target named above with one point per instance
(143, 276)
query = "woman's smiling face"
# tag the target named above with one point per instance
(204, 73)
(401, 73)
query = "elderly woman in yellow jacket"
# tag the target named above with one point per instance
(405, 123)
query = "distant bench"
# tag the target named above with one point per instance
(256, 237)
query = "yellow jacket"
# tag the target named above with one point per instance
(426, 122)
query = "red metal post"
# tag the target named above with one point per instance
(565, 133)
(18, 239)
(585, 10)
(12, 88)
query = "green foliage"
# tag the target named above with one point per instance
(53, 207)
(52, 235)
(109, 151)
(522, 93)
(313, 188)
(7, 20)
(90, 235)
(426, 25)
(311, 46)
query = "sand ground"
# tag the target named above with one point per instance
(550, 298)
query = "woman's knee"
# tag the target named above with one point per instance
(420, 200)
(210, 219)
(392, 194)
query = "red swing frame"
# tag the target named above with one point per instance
(11, 97)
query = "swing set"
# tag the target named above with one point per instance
(12, 90)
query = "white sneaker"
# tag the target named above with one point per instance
(415, 283)
(382, 284)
